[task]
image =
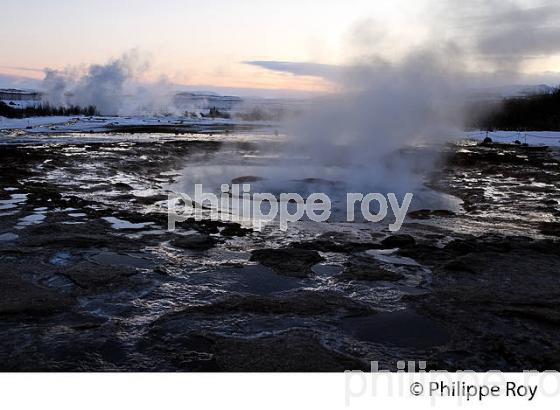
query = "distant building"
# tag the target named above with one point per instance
(12, 94)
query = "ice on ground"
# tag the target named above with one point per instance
(13, 202)
(117, 223)
(32, 219)
(80, 123)
(388, 256)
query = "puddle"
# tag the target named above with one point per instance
(62, 258)
(8, 213)
(57, 281)
(117, 223)
(29, 220)
(387, 256)
(403, 328)
(13, 202)
(112, 258)
(140, 234)
(256, 279)
(7, 237)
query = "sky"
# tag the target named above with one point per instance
(210, 43)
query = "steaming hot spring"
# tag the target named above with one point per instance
(241, 179)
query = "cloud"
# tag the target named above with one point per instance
(502, 30)
(493, 39)
(326, 71)
(36, 70)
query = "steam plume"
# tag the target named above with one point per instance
(113, 88)
(387, 102)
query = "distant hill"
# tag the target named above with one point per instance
(510, 91)
(531, 112)
(14, 81)
(196, 100)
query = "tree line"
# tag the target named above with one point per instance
(533, 113)
(44, 110)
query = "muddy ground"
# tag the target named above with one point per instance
(91, 279)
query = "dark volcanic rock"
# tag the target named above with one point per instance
(297, 350)
(246, 179)
(21, 297)
(364, 268)
(420, 214)
(550, 228)
(462, 247)
(325, 245)
(213, 227)
(189, 340)
(293, 351)
(398, 241)
(234, 229)
(545, 313)
(91, 276)
(337, 242)
(287, 261)
(281, 312)
(149, 200)
(442, 213)
(427, 213)
(299, 302)
(458, 265)
(501, 305)
(485, 244)
(496, 297)
(89, 235)
(122, 186)
(195, 242)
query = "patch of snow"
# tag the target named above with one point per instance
(549, 138)
(117, 223)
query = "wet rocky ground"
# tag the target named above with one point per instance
(91, 279)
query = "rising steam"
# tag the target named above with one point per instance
(386, 103)
(114, 88)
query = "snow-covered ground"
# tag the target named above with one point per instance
(549, 138)
(58, 124)
(82, 124)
